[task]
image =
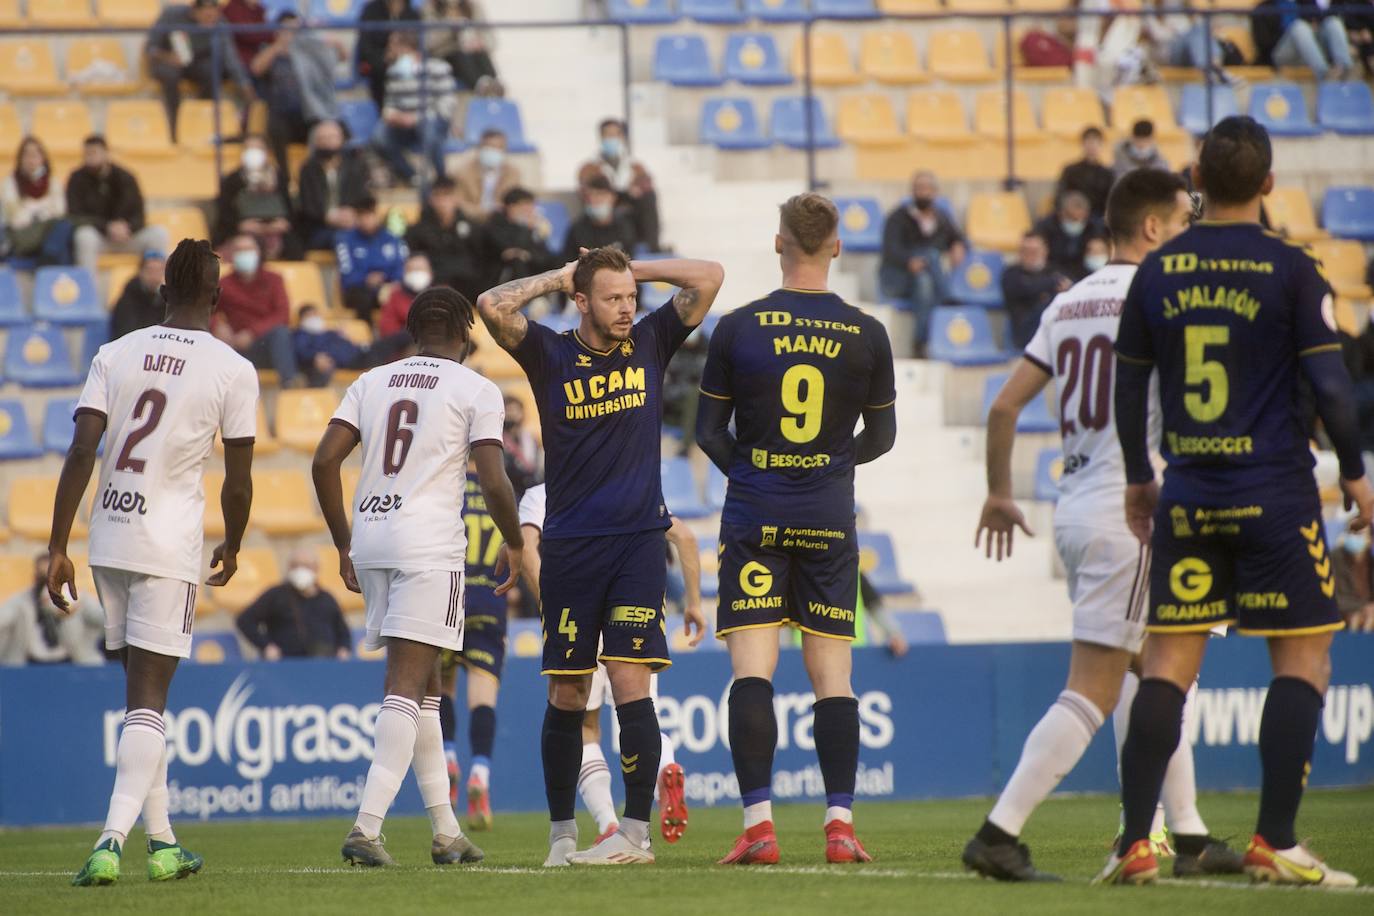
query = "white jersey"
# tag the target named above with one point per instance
(532, 507)
(1074, 343)
(164, 393)
(416, 419)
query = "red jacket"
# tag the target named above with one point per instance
(257, 305)
(395, 309)
(248, 44)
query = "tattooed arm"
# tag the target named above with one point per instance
(500, 306)
(698, 283)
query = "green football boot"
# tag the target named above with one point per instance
(171, 860)
(101, 868)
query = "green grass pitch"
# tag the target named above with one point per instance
(268, 868)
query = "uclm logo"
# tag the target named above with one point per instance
(254, 739)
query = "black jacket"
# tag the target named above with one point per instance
(1066, 251)
(453, 251)
(137, 308)
(1025, 291)
(1092, 179)
(313, 190)
(500, 235)
(227, 216)
(372, 42)
(902, 236)
(297, 625)
(586, 234)
(97, 200)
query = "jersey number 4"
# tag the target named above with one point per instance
(152, 402)
(1091, 367)
(400, 435)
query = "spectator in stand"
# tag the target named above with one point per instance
(1302, 33)
(599, 226)
(296, 74)
(1089, 175)
(253, 315)
(320, 350)
(1068, 231)
(516, 240)
(918, 238)
(372, 43)
(1097, 253)
(369, 258)
(451, 241)
(176, 54)
(420, 101)
(253, 200)
(34, 631)
(634, 187)
(484, 177)
(417, 277)
(297, 619)
(1028, 286)
(33, 208)
(1181, 40)
(1354, 574)
(140, 304)
(1359, 24)
(524, 457)
(1139, 150)
(332, 184)
(466, 45)
(105, 205)
(248, 44)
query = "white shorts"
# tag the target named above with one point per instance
(148, 612)
(424, 607)
(1109, 582)
(601, 689)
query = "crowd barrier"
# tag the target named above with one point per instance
(293, 739)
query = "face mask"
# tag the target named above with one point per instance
(612, 147)
(511, 423)
(1095, 262)
(417, 280)
(37, 172)
(489, 157)
(1143, 152)
(327, 152)
(405, 67)
(254, 158)
(1073, 227)
(1354, 543)
(246, 262)
(313, 324)
(923, 203)
(301, 578)
(599, 213)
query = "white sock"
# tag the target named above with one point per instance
(594, 785)
(431, 772)
(141, 745)
(836, 813)
(481, 774)
(637, 832)
(1180, 785)
(757, 813)
(1052, 749)
(156, 822)
(398, 729)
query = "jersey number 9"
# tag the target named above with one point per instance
(803, 396)
(1208, 374)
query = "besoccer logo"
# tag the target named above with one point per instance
(1190, 580)
(760, 457)
(755, 579)
(769, 537)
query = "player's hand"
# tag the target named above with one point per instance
(1359, 495)
(228, 563)
(693, 624)
(897, 645)
(348, 573)
(511, 561)
(1362, 620)
(61, 574)
(271, 652)
(566, 275)
(1001, 517)
(1141, 502)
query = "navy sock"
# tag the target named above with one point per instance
(753, 737)
(448, 721)
(640, 751)
(1151, 738)
(482, 730)
(836, 729)
(1288, 731)
(560, 746)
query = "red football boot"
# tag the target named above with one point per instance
(756, 846)
(841, 845)
(672, 802)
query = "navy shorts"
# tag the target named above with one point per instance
(1265, 568)
(604, 589)
(773, 575)
(484, 640)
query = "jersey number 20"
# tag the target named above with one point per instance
(1091, 366)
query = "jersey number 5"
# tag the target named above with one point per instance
(154, 402)
(803, 396)
(1208, 374)
(400, 435)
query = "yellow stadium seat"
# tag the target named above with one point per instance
(1044, 159)
(116, 278)
(955, 7)
(1067, 110)
(302, 415)
(908, 7)
(958, 56)
(332, 582)
(831, 64)
(284, 503)
(10, 127)
(16, 573)
(304, 284)
(489, 358)
(11, 17)
(138, 127)
(180, 222)
(349, 475)
(936, 114)
(135, 13)
(59, 13)
(257, 572)
(1044, 6)
(62, 126)
(27, 67)
(264, 443)
(196, 124)
(997, 220)
(1344, 263)
(214, 517)
(1290, 210)
(182, 176)
(890, 57)
(31, 502)
(355, 330)
(867, 119)
(99, 66)
(1133, 103)
(990, 115)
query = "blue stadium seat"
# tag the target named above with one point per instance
(716, 485)
(684, 61)
(777, 10)
(1346, 108)
(58, 425)
(920, 628)
(1282, 109)
(1348, 212)
(752, 58)
(555, 213)
(66, 295)
(680, 489)
(846, 9)
(94, 335)
(274, 8)
(335, 12)
(12, 309)
(732, 124)
(561, 322)
(708, 548)
(787, 124)
(359, 118)
(499, 114)
(642, 12)
(719, 12)
(1192, 109)
(1035, 418)
(861, 223)
(1049, 464)
(878, 561)
(16, 438)
(36, 356)
(978, 280)
(963, 336)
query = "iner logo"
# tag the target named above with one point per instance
(379, 505)
(120, 501)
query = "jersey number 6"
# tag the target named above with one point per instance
(400, 435)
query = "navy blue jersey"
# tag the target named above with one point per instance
(800, 368)
(1225, 311)
(484, 547)
(602, 419)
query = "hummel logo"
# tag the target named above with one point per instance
(629, 764)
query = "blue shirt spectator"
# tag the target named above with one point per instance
(369, 257)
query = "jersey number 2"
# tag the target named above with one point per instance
(154, 402)
(400, 435)
(803, 396)
(1091, 366)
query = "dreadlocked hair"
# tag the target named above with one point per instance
(192, 272)
(440, 311)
